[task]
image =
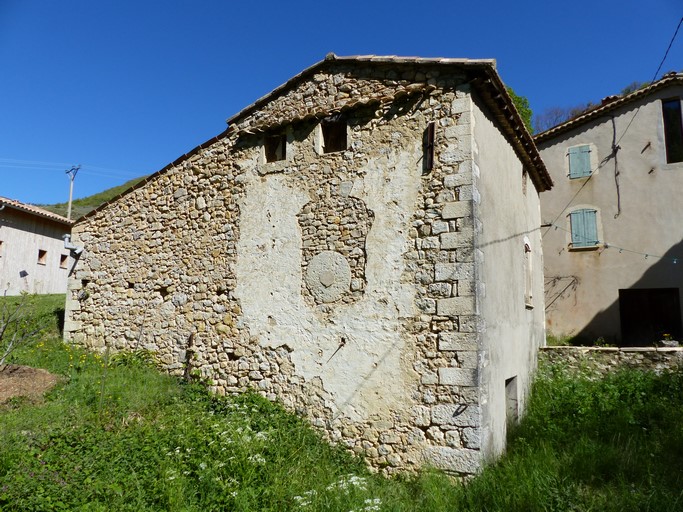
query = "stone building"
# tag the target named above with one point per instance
(614, 244)
(32, 254)
(361, 244)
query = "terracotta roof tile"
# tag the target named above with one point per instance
(34, 210)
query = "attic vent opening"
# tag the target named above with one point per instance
(334, 134)
(275, 147)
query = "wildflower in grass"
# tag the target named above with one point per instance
(347, 481)
(305, 500)
(257, 459)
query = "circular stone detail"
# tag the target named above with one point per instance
(328, 276)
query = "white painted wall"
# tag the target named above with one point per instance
(510, 332)
(22, 235)
(649, 221)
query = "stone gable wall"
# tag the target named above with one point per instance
(207, 263)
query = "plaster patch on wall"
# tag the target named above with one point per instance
(354, 349)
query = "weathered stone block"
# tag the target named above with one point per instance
(458, 179)
(471, 438)
(439, 226)
(457, 240)
(421, 416)
(468, 359)
(466, 288)
(456, 209)
(460, 460)
(458, 376)
(457, 341)
(455, 306)
(460, 415)
(453, 271)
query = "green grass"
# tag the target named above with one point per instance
(80, 207)
(118, 435)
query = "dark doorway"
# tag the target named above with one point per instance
(647, 314)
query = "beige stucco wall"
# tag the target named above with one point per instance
(21, 237)
(508, 216)
(582, 289)
(213, 264)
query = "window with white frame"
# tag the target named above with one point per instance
(584, 228)
(579, 161)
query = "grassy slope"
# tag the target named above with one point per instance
(80, 207)
(120, 436)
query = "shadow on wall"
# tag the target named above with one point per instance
(648, 311)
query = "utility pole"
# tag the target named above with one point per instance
(72, 175)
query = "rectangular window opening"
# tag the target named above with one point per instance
(63, 260)
(511, 401)
(673, 130)
(428, 148)
(275, 147)
(334, 134)
(42, 257)
(1, 247)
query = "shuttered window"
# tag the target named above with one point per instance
(579, 161)
(584, 224)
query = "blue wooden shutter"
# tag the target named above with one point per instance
(584, 224)
(579, 161)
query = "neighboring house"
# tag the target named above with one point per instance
(32, 254)
(360, 244)
(613, 250)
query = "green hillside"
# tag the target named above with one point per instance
(84, 205)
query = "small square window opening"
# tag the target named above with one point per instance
(334, 134)
(275, 147)
(63, 260)
(42, 257)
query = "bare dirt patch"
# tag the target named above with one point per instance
(24, 381)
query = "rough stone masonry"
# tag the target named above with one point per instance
(323, 251)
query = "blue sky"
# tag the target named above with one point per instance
(124, 87)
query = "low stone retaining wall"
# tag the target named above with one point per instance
(606, 359)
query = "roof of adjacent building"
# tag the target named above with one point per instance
(33, 210)
(609, 104)
(481, 73)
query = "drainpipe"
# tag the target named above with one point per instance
(75, 249)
